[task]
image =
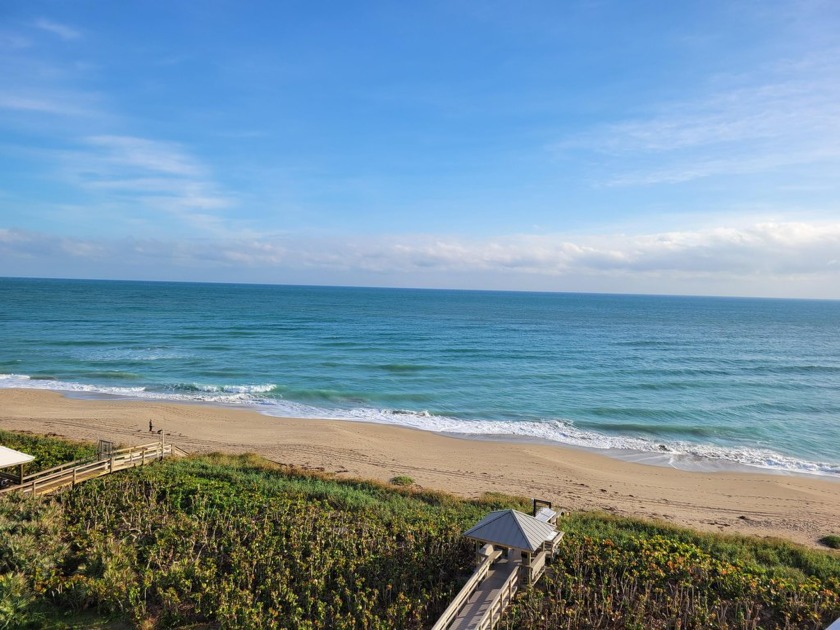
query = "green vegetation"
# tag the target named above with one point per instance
(831, 540)
(48, 451)
(402, 480)
(238, 542)
(615, 572)
(242, 542)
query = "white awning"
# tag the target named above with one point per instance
(11, 457)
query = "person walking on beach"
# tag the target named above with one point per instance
(151, 428)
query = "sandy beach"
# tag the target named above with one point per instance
(798, 508)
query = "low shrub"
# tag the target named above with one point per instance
(402, 480)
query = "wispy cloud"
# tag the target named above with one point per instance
(788, 117)
(78, 137)
(10, 40)
(56, 28)
(145, 155)
(145, 175)
(53, 102)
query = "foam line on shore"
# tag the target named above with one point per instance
(676, 453)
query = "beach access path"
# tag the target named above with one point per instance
(798, 508)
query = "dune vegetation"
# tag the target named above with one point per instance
(240, 542)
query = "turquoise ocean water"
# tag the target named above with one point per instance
(690, 381)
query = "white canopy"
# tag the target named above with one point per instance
(11, 457)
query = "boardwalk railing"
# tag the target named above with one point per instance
(500, 602)
(466, 592)
(74, 472)
(537, 567)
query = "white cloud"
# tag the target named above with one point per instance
(62, 30)
(779, 258)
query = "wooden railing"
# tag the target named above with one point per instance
(494, 611)
(464, 594)
(536, 568)
(551, 545)
(72, 473)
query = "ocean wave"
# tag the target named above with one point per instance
(224, 389)
(226, 394)
(674, 452)
(23, 381)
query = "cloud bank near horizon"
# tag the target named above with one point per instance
(748, 260)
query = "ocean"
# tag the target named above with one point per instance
(693, 382)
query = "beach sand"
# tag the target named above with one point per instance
(798, 508)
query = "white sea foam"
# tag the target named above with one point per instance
(23, 381)
(675, 453)
(228, 394)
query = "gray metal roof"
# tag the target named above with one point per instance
(512, 529)
(11, 457)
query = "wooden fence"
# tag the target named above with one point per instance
(72, 473)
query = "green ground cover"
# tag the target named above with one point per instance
(238, 542)
(625, 573)
(48, 451)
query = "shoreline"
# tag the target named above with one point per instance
(797, 507)
(676, 461)
(670, 453)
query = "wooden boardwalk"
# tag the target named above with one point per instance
(485, 606)
(72, 473)
(480, 603)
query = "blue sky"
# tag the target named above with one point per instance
(653, 147)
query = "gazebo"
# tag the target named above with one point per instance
(10, 458)
(532, 538)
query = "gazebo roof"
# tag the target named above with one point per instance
(11, 457)
(512, 529)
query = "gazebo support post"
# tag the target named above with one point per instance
(526, 566)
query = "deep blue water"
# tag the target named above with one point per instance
(705, 379)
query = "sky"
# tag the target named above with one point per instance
(597, 146)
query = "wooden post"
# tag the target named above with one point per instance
(526, 565)
(74, 477)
